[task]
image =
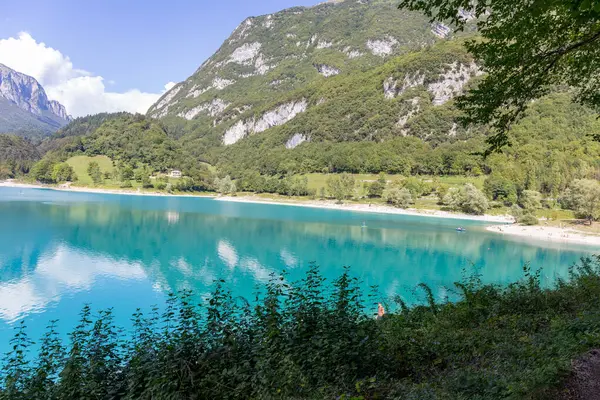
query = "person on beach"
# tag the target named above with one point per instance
(380, 311)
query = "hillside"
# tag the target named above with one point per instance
(17, 155)
(392, 113)
(253, 82)
(24, 106)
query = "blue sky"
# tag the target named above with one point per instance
(136, 44)
(118, 55)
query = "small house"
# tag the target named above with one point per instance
(175, 174)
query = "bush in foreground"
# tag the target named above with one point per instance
(312, 340)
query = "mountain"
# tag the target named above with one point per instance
(355, 86)
(254, 81)
(25, 108)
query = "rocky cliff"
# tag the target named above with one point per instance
(24, 105)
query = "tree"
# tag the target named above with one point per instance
(225, 185)
(42, 171)
(499, 188)
(126, 173)
(146, 182)
(398, 197)
(416, 186)
(584, 199)
(475, 201)
(375, 189)
(63, 172)
(560, 48)
(468, 199)
(340, 187)
(530, 200)
(94, 172)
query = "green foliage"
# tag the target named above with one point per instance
(340, 187)
(63, 172)
(398, 197)
(376, 189)
(530, 200)
(560, 48)
(499, 188)
(94, 172)
(225, 185)
(313, 339)
(583, 197)
(42, 171)
(17, 155)
(528, 219)
(87, 125)
(468, 199)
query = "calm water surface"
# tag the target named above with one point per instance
(61, 250)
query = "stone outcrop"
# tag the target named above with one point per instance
(296, 141)
(326, 70)
(26, 93)
(382, 47)
(214, 108)
(391, 88)
(452, 82)
(276, 117)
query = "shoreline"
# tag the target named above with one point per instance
(547, 233)
(366, 208)
(323, 204)
(81, 189)
(504, 225)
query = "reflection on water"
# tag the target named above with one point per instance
(60, 250)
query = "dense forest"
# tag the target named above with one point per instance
(17, 155)
(314, 339)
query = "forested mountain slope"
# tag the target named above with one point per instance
(259, 77)
(278, 108)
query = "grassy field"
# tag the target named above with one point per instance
(317, 181)
(80, 165)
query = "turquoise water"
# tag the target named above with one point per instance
(60, 250)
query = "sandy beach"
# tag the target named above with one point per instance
(549, 233)
(374, 208)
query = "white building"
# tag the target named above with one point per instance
(175, 174)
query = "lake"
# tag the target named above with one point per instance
(61, 250)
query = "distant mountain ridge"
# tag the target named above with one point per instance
(25, 108)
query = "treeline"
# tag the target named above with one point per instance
(314, 339)
(17, 155)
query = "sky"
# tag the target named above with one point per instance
(118, 55)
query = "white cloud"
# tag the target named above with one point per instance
(80, 91)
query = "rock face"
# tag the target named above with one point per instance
(276, 117)
(452, 82)
(20, 92)
(391, 89)
(326, 70)
(382, 47)
(268, 57)
(214, 108)
(296, 141)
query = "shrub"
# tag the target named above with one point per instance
(398, 197)
(317, 340)
(468, 199)
(530, 200)
(528, 219)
